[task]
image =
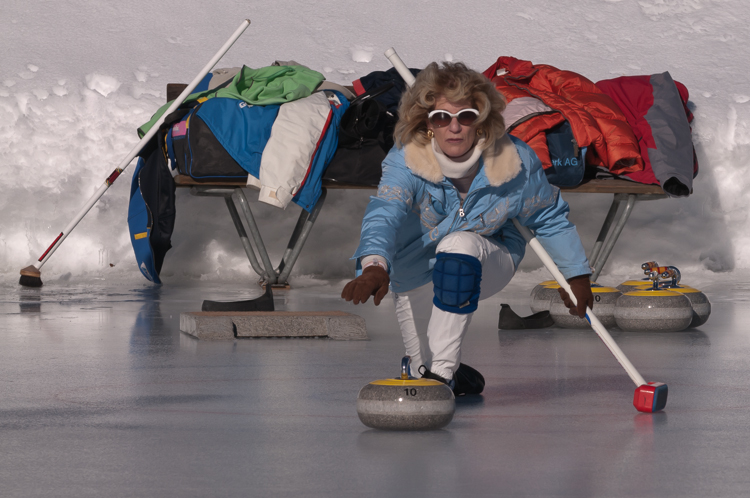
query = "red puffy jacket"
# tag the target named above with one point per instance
(596, 121)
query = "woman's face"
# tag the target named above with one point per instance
(455, 139)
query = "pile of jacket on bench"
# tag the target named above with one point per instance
(274, 126)
(278, 128)
(633, 127)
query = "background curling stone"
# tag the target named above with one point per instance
(406, 405)
(653, 311)
(631, 285)
(539, 287)
(541, 300)
(605, 299)
(698, 300)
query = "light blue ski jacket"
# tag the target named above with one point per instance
(416, 206)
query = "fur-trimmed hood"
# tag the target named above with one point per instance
(501, 164)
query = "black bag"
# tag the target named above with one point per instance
(392, 97)
(199, 154)
(365, 137)
(367, 119)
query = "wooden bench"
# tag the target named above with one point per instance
(232, 191)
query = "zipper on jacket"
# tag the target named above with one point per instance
(461, 212)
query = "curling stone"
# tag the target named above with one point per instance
(698, 300)
(653, 311)
(540, 301)
(605, 299)
(406, 403)
(540, 286)
(632, 285)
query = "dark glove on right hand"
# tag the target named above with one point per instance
(580, 286)
(373, 282)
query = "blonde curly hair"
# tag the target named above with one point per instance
(455, 82)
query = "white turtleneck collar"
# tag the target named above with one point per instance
(453, 169)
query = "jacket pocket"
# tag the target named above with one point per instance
(431, 211)
(490, 220)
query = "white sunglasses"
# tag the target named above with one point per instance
(439, 118)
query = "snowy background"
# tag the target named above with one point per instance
(78, 77)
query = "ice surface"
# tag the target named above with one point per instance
(103, 396)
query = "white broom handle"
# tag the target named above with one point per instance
(137, 148)
(593, 320)
(400, 66)
(410, 337)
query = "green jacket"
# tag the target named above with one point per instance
(264, 86)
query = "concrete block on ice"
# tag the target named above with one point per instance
(217, 326)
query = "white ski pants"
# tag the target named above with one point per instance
(432, 337)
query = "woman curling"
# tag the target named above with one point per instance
(439, 230)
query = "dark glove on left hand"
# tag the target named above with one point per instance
(373, 282)
(581, 288)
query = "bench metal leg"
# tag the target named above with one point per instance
(305, 223)
(266, 271)
(270, 275)
(243, 235)
(604, 231)
(612, 239)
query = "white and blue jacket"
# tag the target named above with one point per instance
(416, 206)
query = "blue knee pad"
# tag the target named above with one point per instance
(456, 278)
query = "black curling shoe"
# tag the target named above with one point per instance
(509, 320)
(262, 303)
(466, 380)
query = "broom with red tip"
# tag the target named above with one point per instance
(31, 276)
(649, 396)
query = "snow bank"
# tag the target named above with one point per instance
(71, 99)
